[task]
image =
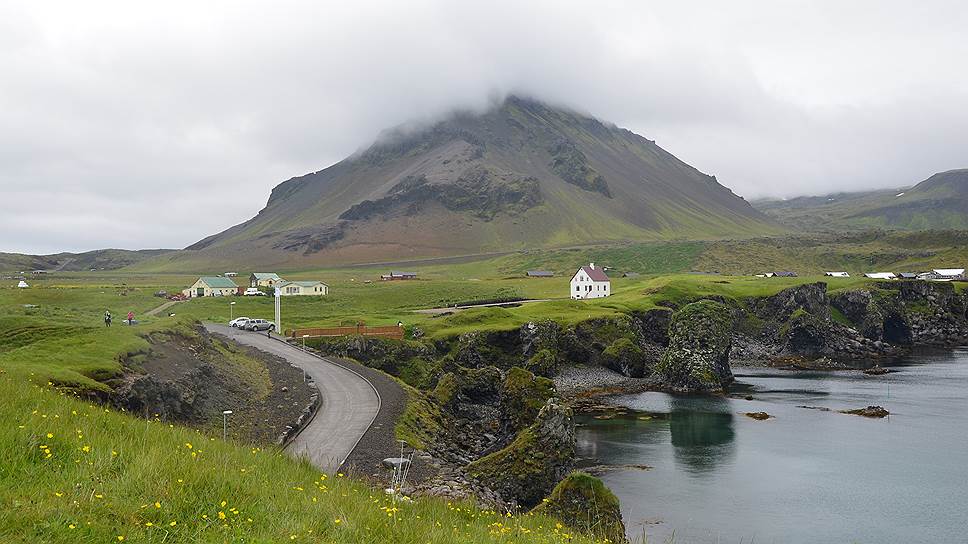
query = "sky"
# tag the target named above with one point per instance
(154, 124)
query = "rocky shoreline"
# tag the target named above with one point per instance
(495, 408)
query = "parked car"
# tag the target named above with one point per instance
(238, 322)
(253, 292)
(259, 325)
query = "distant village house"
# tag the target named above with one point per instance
(881, 276)
(302, 288)
(944, 274)
(540, 274)
(212, 286)
(395, 275)
(264, 279)
(590, 282)
(837, 274)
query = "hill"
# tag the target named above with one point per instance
(939, 202)
(100, 259)
(520, 175)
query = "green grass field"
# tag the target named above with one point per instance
(72, 471)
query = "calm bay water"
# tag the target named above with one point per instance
(807, 475)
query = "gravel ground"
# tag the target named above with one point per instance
(577, 378)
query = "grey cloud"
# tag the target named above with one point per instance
(133, 125)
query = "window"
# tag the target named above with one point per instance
(577, 288)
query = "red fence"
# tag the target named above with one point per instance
(360, 329)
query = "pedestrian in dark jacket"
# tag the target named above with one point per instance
(107, 318)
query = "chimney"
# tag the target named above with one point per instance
(591, 265)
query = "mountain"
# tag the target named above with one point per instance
(101, 259)
(521, 175)
(939, 202)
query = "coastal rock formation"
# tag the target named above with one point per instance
(539, 457)
(697, 359)
(583, 503)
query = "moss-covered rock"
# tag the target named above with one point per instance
(539, 457)
(700, 338)
(585, 504)
(543, 363)
(625, 357)
(523, 396)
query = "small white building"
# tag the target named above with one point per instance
(590, 282)
(302, 288)
(881, 276)
(22, 284)
(943, 274)
(837, 274)
(212, 286)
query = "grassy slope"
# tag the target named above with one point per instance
(65, 462)
(73, 472)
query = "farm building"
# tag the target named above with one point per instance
(212, 286)
(944, 274)
(264, 279)
(784, 274)
(908, 276)
(881, 276)
(22, 284)
(395, 275)
(540, 274)
(837, 274)
(590, 282)
(302, 288)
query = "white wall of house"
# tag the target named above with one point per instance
(301, 290)
(583, 287)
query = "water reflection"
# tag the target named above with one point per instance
(702, 433)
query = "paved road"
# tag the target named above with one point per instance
(434, 311)
(349, 402)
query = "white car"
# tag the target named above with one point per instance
(253, 292)
(238, 322)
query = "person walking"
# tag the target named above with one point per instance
(107, 318)
(130, 318)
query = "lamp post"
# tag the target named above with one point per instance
(225, 427)
(231, 310)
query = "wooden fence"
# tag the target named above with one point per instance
(360, 329)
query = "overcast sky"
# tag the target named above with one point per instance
(136, 124)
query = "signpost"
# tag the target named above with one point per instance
(231, 310)
(225, 417)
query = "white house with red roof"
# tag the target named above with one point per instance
(590, 282)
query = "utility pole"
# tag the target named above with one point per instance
(279, 311)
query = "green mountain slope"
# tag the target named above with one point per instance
(939, 202)
(100, 259)
(521, 175)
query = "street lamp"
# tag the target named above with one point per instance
(225, 417)
(231, 310)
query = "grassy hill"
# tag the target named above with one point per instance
(939, 202)
(100, 259)
(521, 175)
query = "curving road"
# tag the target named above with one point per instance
(349, 402)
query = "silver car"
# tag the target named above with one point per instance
(259, 325)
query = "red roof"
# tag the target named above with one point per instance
(596, 274)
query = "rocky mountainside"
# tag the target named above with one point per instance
(939, 202)
(521, 175)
